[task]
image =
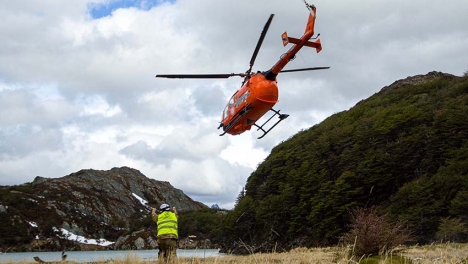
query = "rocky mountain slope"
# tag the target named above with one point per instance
(92, 207)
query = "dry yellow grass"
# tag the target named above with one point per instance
(440, 253)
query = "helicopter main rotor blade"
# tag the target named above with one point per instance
(306, 69)
(199, 76)
(260, 41)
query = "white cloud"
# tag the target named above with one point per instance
(78, 92)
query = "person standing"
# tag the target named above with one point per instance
(167, 223)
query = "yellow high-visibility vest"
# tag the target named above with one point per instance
(167, 224)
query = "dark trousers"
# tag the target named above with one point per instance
(167, 250)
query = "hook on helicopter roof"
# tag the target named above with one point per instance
(309, 6)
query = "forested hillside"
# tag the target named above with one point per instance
(404, 149)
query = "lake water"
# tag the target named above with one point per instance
(88, 256)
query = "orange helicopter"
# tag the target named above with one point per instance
(259, 91)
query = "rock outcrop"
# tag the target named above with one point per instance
(136, 241)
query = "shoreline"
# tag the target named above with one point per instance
(440, 253)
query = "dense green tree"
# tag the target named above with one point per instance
(204, 223)
(451, 230)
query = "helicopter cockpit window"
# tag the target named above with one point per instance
(232, 100)
(225, 112)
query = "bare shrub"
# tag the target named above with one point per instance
(371, 233)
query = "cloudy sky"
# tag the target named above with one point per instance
(77, 86)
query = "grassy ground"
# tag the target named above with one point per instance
(441, 253)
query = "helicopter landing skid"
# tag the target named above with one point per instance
(234, 120)
(281, 118)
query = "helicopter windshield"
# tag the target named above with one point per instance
(225, 112)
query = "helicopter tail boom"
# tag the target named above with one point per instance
(298, 44)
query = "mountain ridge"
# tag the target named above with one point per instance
(95, 204)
